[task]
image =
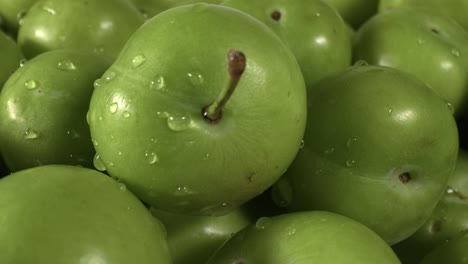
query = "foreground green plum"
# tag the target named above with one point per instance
(163, 122)
(101, 26)
(195, 238)
(452, 251)
(304, 238)
(447, 221)
(43, 110)
(355, 12)
(10, 55)
(424, 44)
(60, 214)
(379, 147)
(455, 9)
(312, 29)
(13, 11)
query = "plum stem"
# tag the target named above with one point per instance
(236, 65)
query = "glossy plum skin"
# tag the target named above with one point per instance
(379, 147)
(312, 29)
(446, 222)
(146, 114)
(60, 214)
(304, 238)
(404, 38)
(98, 26)
(43, 110)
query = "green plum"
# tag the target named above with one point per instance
(101, 26)
(379, 147)
(153, 7)
(304, 238)
(190, 131)
(60, 214)
(456, 9)
(13, 11)
(449, 218)
(429, 46)
(43, 108)
(452, 251)
(312, 29)
(196, 238)
(355, 12)
(11, 56)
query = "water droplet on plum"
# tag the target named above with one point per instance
(138, 60)
(350, 163)
(159, 83)
(66, 65)
(263, 222)
(151, 157)
(31, 84)
(31, 134)
(177, 122)
(113, 108)
(196, 79)
(98, 163)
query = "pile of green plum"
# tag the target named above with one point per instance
(233, 131)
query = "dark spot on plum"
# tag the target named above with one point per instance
(276, 15)
(238, 262)
(250, 176)
(436, 227)
(435, 30)
(405, 177)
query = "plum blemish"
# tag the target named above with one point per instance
(436, 227)
(405, 177)
(435, 31)
(276, 15)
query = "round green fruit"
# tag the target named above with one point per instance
(448, 219)
(429, 46)
(312, 29)
(196, 238)
(43, 110)
(98, 26)
(11, 56)
(379, 147)
(304, 238)
(59, 214)
(163, 124)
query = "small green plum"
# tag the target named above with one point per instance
(57, 214)
(312, 29)
(304, 238)
(43, 108)
(98, 26)
(189, 127)
(422, 43)
(379, 147)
